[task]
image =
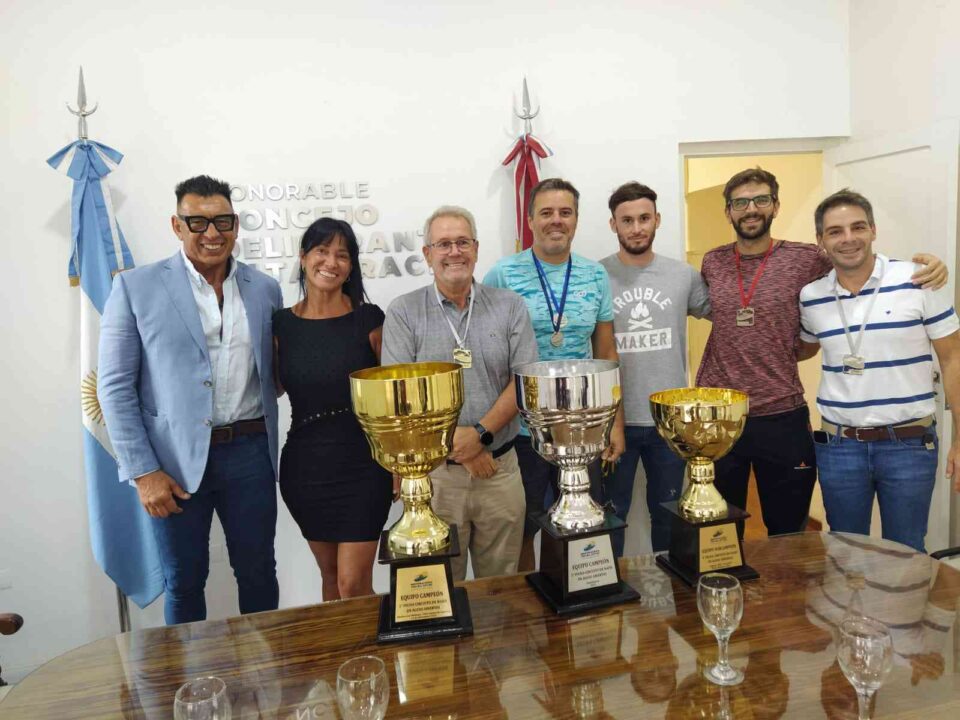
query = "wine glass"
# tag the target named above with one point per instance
(865, 654)
(363, 689)
(720, 602)
(202, 699)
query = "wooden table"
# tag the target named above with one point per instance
(641, 660)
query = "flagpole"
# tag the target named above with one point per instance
(527, 151)
(82, 113)
(120, 535)
(123, 610)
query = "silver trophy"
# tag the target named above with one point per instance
(569, 406)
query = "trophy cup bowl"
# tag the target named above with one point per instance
(569, 406)
(409, 413)
(700, 425)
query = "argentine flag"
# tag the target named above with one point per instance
(120, 534)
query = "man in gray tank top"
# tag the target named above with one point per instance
(652, 297)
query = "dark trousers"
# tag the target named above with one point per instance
(538, 475)
(240, 485)
(780, 450)
(664, 471)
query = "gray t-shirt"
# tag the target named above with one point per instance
(500, 339)
(650, 308)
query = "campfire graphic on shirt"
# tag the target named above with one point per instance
(640, 317)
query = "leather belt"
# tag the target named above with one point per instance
(911, 429)
(226, 433)
(502, 450)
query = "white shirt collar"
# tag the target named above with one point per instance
(198, 279)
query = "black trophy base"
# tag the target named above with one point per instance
(553, 596)
(558, 553)
(461, 624)
(691, 577)
(691, 548)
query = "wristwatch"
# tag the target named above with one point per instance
(486, 437)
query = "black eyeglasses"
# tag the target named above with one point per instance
(760, 201)
(199, 223)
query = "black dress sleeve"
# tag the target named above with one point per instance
(371, 317)
(279, 321)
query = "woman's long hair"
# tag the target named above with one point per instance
(323, 232)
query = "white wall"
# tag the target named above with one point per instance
(903, 61)
(414, 99)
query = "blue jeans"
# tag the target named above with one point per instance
(900, 472)
(664, 470)
(240, 485)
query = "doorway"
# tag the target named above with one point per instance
(800, 175)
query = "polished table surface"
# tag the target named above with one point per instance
(641, 660)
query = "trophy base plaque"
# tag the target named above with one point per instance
(578, 571)
(701, 546)
(422, 603)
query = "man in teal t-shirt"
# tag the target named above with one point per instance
(571, 308)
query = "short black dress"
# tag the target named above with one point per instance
(331, 484)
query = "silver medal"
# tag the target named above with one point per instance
(853, 365)
(463, 356)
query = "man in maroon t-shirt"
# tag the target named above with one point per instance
(755, 287)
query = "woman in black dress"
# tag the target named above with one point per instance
(336, 492)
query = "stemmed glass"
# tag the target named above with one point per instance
(363, 689)
(720, 602)
(865, 654)
(202, 699)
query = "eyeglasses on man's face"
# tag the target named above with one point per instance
(759, 201)
(445, 246)
(200, 223)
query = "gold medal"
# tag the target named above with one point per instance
(745, 317)
(463, 356)
(556, 339)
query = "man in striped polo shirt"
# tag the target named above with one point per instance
(876, 394)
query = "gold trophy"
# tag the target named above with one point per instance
(409, 414)
(701, 425)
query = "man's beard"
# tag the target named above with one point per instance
(760, 231)
(637, 249)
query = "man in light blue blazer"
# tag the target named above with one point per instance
(187, 390)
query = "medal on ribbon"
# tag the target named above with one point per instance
(461, 353)
(853, 362)
(746, 315)
(554, 307)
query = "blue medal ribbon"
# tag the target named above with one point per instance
(548, 291)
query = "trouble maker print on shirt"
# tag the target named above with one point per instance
(642, 320)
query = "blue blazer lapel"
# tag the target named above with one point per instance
(178, 286)
(253, 304)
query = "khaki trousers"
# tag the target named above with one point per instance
(488, 514)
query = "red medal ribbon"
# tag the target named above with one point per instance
(525, 178)
(746, 298)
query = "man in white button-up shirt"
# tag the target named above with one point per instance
(186, 386)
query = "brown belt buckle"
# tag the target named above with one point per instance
(856, 434)
(224, 434)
